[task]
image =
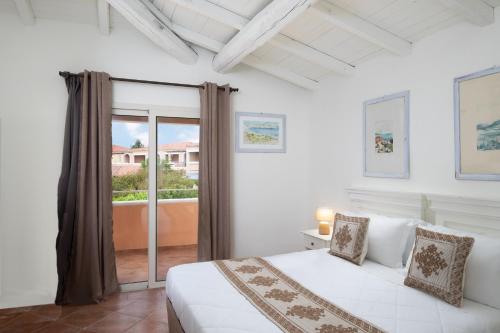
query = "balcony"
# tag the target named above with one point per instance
(177, 232)
(178, 165)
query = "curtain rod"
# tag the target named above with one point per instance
(66, 74)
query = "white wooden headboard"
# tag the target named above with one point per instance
(470, 214)
(397, 204)
(462, 213)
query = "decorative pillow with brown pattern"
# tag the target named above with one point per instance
(437, 265)
(350, 238)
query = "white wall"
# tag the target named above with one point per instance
(336, 124)
(273, 194)
(268, 189)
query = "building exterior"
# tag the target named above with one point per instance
(180, 155)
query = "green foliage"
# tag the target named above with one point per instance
(138, 181)
(130, 196)
(172, 184)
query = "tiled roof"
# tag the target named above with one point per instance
(117, 148)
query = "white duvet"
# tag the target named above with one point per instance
(205, 301)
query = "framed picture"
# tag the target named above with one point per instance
(386, 136)
(477, 125)
(260, 133)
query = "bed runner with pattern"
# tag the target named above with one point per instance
(285, 302)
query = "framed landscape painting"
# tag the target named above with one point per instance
(477, 125)
(260, 133)
(386, 136)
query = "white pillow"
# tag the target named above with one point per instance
(412, 224)
(482, 273)
(387, 239)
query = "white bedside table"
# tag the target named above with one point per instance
(313, 240)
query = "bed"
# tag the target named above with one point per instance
(200, 299)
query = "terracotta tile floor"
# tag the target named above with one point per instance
(138, 311)
(132, 265)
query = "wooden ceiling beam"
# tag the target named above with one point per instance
(186, 34)
(236, 21)
(475, 11)
(261, 28)
(141, 17)
(216, 46)
(281, 73)
(103, 16)
(25, 11)
(354, 24)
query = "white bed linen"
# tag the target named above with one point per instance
(205, 301)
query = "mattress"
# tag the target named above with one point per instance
(205, 301)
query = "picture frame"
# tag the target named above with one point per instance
(477, 125)
(386, 136)
(260, 132)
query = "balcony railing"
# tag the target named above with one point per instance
(171, 193)
(176, 235)
(177, 220)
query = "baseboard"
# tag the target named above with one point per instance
(19, 298)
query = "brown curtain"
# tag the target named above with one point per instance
(85, 250)
(214, 176)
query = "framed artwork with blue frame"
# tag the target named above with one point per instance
(260, 133)
(477, 125)
(386, 150)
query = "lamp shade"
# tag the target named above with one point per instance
(324, 214)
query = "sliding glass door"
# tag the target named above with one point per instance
(130, 181)
(177, 192)
(155, 191)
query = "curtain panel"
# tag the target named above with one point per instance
(85, 251)
(214, 240)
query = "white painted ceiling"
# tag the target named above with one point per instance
(410, 20)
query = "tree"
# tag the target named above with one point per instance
(137, 144)
(171, 184)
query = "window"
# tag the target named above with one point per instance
(194, 156)
(139, 158)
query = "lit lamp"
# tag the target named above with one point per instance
(324, 216)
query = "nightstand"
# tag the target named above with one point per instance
(313, 240)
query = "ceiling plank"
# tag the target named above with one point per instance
(311, 54)
(347, 21)
(103, 16)
(25, 11)
(264, 26)
(186, 34)
(140, 17)
(281, 73)
(252, 61)
(215, 46)
(227, 17)
(474, 11)
(215, 12)
(493, 3)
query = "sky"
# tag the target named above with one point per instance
(125, 133)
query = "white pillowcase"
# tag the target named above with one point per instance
(387, 239)
(412, 224)
(389, 242)
(482, 273)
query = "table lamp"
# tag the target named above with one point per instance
(324, 216)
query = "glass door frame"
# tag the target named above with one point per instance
(152, 112)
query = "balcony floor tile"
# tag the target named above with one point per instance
(132, 265)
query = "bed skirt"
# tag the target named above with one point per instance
(174, 325)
